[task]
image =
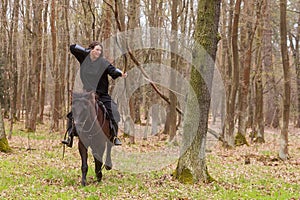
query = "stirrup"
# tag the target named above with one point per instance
(68, 142)
(116, 141)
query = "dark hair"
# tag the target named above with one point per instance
(96, 43)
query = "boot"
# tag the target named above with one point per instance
(70, 127)
(69, 140)
(114, 129)
(117, 141)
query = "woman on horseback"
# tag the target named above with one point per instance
(94, 71)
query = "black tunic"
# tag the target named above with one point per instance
(94, 74)
(94, 77)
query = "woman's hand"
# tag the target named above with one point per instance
(124, 75)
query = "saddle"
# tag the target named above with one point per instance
(112, 125)
(102, 107)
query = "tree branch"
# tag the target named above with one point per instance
(94, 19)
(133, 58)
(215, 134)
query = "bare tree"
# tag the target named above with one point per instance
(133, 22)
(230, 112)
(247, 36)
(55, 69)
(283, 151)
(3, 57)
(155, 19)
(64, 38)
(21, 70)
(259, 118)
(272, 111)
(44, 64)
(170, 125)
(4, 146)
(36, 63)
(12, 61)
(295, 46)
(191, 165)
(297, 64)
(26, 63)
(226, 62)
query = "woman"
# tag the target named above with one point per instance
(94, 71)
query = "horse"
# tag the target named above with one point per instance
(93, 129)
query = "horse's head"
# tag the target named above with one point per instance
(89, 117)
(80, 108)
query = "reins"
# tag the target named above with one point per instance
(103, 108)
(64, 148)
(96, 100)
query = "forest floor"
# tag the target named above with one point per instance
(247, 172)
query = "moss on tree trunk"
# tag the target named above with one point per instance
(240, 140)
(191, 167)
(4, 147)
(185, 176)
(259, 140)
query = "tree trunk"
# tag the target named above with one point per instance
(267, 59)
(36, 62)
(170, 127)
(191, 165)
(86, 20)
(63, 60)
(297, 65)
(4, 146)
(155, 20)
(296, 57)
(44, 63)
(247, 42)
(106, 31)
(13, 63)
(226, 57)
(230, 112)
(107, 17)
(283, 151)
(259, 89)
(273, 107)
(55, 70)
(26, 63)
(21, 70)
(69, 63)
(133, 22)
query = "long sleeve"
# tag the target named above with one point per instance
(114, 72)
(79, 52)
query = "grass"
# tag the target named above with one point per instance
(41, 173)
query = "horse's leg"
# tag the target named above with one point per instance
(98, 168)
(84, 166)
(108, 163)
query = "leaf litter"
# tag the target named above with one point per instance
(254, 167)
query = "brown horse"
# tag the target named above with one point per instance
(93, 128)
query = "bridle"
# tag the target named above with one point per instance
(95, 100)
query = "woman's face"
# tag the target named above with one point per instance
(96, 52)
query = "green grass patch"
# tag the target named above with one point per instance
(42, 174)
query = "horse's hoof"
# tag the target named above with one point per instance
(108, 167)
(83, 183)
(99, 176)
